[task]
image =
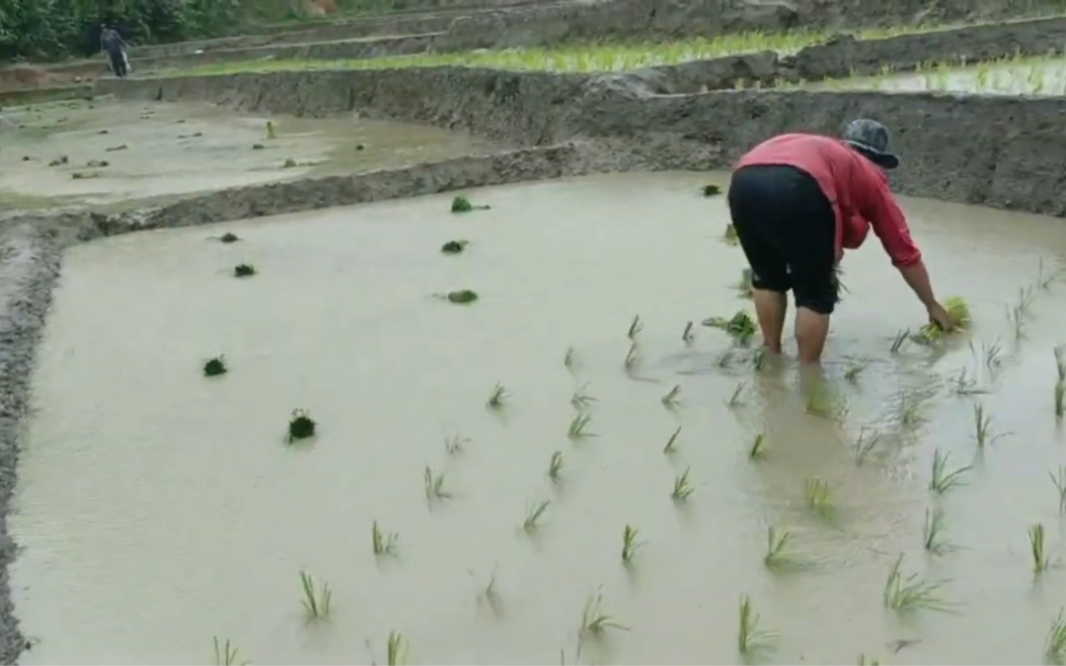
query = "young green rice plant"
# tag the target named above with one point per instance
(958, 314)
(862, 661)
(316, 600)
(749, 637)
(397, 649)
(555, 467)
(498, 397)
(301, 425)
(758, 359)
(271, 133)
(673, 397)
(636, 327)
(578, 426)
(982, 424)
(854, 369)
(726, 359)
(229, 237)
(740, 326)
(816, 494)
(900, 340)
(570, 359)
(1036, 548)
(533, 516)
(909, 408)
(757, 449)
(629, 543)
(581, 400)
(865, 445)
(1016, 317)
(963, 384)
(730, 235)
(461, 204)
(942, 480)
(594, 622)
(632, 357)
(226, 654)
(711, 190)
(778, 553)
(745, 288)
(1060, 399)
(1060, 486)
(462, 296)
(688, 336)
(243, 270)
(933, 532)
(907, 593)
(434, 484)
(735, 399)
(682, 488)
(991, 355)
(1055, 648)
(454, 246)
(455, 444)
(1045, 278)
(671, 444)
(215, 367)
(1060, 362)
(383, 543)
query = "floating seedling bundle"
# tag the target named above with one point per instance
(461, 204)
(741, 325)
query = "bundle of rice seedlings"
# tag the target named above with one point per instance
(741, 326)
(958, 313)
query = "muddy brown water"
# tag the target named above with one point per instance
(177, 149)
(157, 509)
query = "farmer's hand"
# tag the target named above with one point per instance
(938, 315)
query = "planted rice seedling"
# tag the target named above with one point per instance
(215, 366)
(498, 397)
(461, 204)
(578, 425)
(301, 425)
(671, 444)
(958, 313)
(534, 514)
(1060, 486)
(555, 467)
(594, 622)
(749, 637)
(964, 385)
(271, 133)
(316, 601)
(943, 480)
(730, 235)
(629, 543)
(672, 398)
(756, 450)
(816, 494)
(900, 340)
(758, 359)
(383, 543)
(228, 237)
(434, 484)
(1055, 648)
(226, 654)
(455, 444)
(1016, 317)
(745, 287)
(854, 369)
(582, 400)
(1059, 399)
(1060, 362)
(396, 649)
(933, 532)
(735, 398)
(636, 327)
(865, 445)
(454, 246)
(632, 357)
(778, 557)
(682, 489)
(862, 661)
(907, 593)
(711, 190)
(688, 336)
(462, 296)
(909, 408)
(983, 427)
(243, 270)
(1036, 548)
(570, 359)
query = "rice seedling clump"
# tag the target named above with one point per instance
(215, 367)
(461, 204)
(741, 325)
(243, 270)
(301, 425)
(958, 313)
(454, 247)
(462, 296)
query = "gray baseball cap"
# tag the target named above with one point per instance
(871, 138)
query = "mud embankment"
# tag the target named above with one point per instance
(29, 264)
(998, 151)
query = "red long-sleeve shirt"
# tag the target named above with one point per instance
(856, 188)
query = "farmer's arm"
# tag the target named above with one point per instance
(890, 225)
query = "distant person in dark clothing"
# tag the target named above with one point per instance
(115, 46)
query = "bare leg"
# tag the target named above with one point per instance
(770, 307)
(812, 329)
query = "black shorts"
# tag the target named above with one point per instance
(788, 231)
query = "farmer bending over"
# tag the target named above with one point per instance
(115, 46)
(797, 200)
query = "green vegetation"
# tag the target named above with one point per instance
(301, 426)
(1055, 650)
(226, 654)
(462, 297)
(1036, 548)
(383, 543)
(243, 270)
(397, 649)
(215, 367)
(629, 543)
(907, 593)
(594, 622)
(316, 600)
(749, 637)
(454, 246)
(741, 325)
(534, 514)
(461, 204)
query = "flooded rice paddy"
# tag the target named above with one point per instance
(1012, 76)
(109, 151)
(158, 508)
